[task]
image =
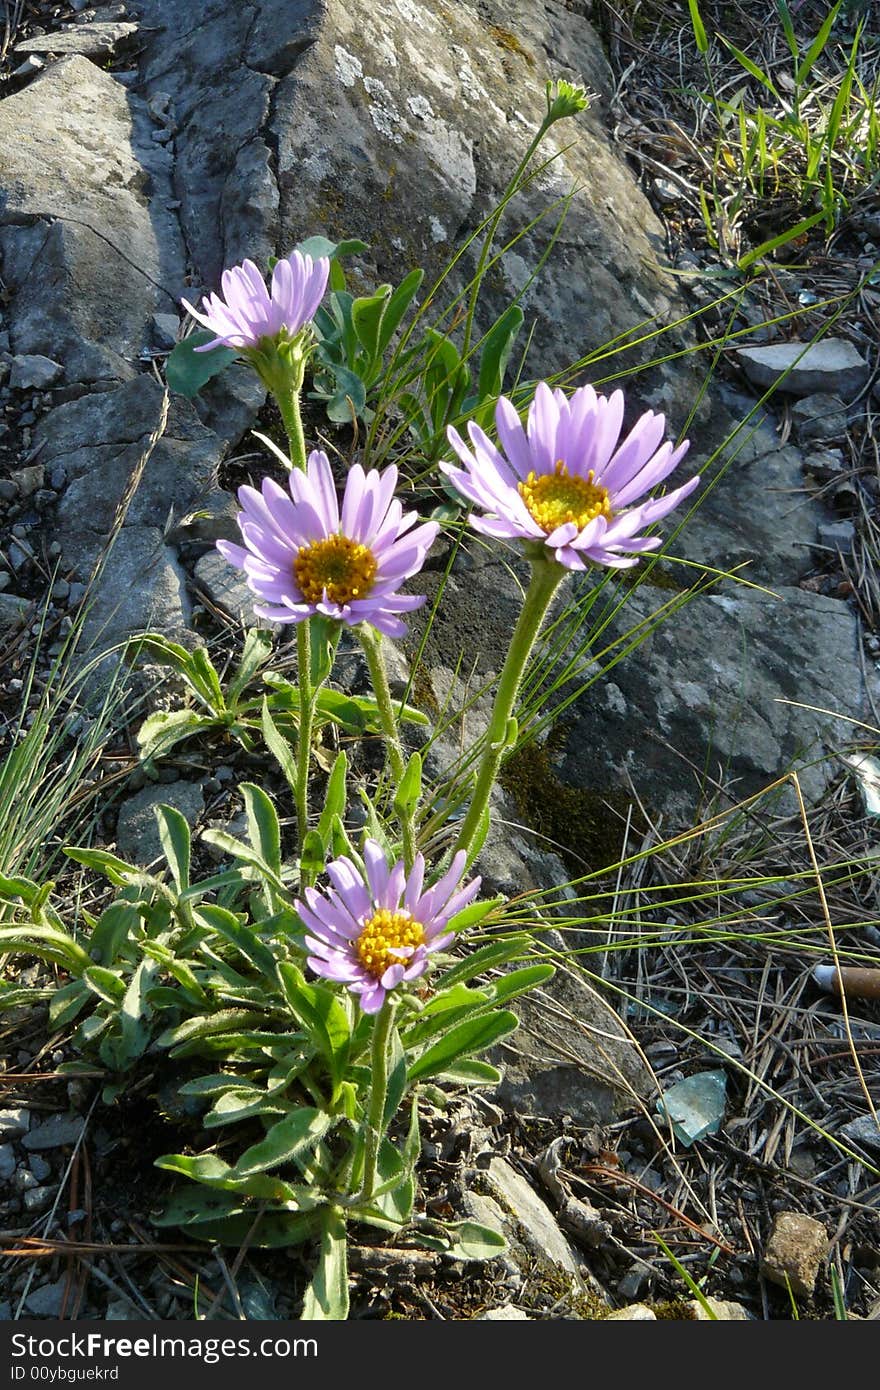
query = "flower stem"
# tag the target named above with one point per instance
(304, 735)
(378, 1096)
(288, 404)
(371, 641)
(542, 586)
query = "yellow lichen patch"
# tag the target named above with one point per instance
(558, 497)
(383, 934)
(343, 567)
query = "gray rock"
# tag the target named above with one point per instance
(165, 328)
(832, 365)
(47, 1300)
(7, 1162)
(530, 1217)
(91, 40)
(89, 249)
(33, 372)
(226, 587)
(507, 1312)
(13, 609)
(215, 518)
(819, 419)
(863, 1130)
(37, 1199)
(39, 1167)
(54, 1133)
(570, 1055)
(137, 832)
(725, 1310)
(29, 480)
(14, 1123)
(837, 535)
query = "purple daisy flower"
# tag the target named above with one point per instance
(303, 555)
(376, 933)
(250, 312)
(565, 482)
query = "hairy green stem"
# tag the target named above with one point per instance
(371, 641)
(304, 734)
(378, 1096)
(288, 404)
(542, 586)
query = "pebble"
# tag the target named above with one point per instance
(837, 535)
(819, 419)
(46, 1301)
(76, 595)
(13, 609)
(636, 1312)
(508, 1312)
(54, 1132)
(831, 363)
(61, 589)
(8, 490)
(5, 580)
(58, 476)
(14, 1123)
(39, 1167)
(32, 371)
(30, 65)
(39, 1198)
(7, 1162)
(796, 1247)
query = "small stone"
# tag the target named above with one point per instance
(635, 1280)
(121, 1310)
(54, 1133)
(534, 1220)
(29, 480)
(819, 419)
(831, 364)
(61, 589)
(165, 326)
(39, 1198)
(33, 372)
(795, 1249)
(863, 1130)
(39, 1167)
(58, 476)
(506, 1313)
(8, 490)
(7, 1162)
(24, 1180)
(32, 64)
(98, 40)
(13, 609)
(225, 586)
(5, 580)
(14, 1123)
(46, 1301)
(837, 535)
(725, 1310)
(76, 595)
(161, 137)
(636, 1312)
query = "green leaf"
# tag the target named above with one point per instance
(335, 798)
(366, 316)
(469, 1240)
(46, 943)
(187, 371)
(278, 746)
(519, 981)
(698, 27)
(497, 347)
(243, 1104)
(322, 1015)
(470, 1071)
(397, 306)
(203, 1025)
(66, 1003)
(175, 838)
(264, 830)
(117, 925)
(750, 67)
(286, 1141)
(256, 651)
(326, 1298)
(406, 797)
(111, 867)
(475, 1035)
(474, 913)
(318, 246)
(105, 983)
(163, 730)
(490, 957)
(213, 1172)
(349, 398)
(241, 936)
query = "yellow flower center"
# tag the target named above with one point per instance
(556, 498)
(345, 568)
(383, 933)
